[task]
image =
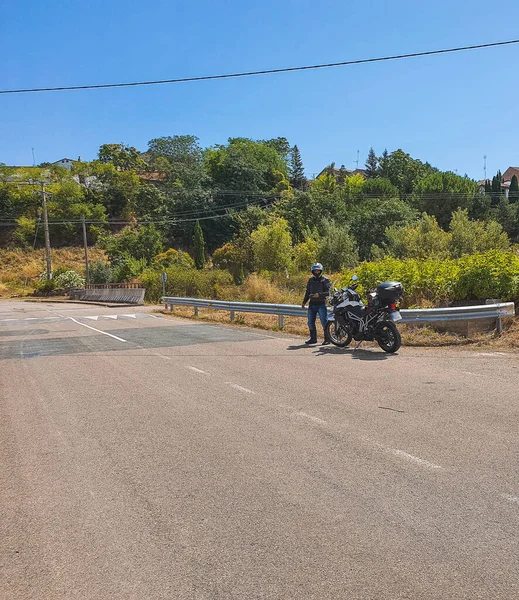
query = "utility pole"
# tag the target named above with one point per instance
(85, 243)
(46, 230)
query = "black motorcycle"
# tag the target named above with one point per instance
(351, 319)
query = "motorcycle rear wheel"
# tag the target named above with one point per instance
(388, 336)
(336, 334)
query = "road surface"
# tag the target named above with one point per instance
(147, 457)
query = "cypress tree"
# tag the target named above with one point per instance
(513, 195)
(372, 169)
(198, 245)
(297, 171)
(384, 164)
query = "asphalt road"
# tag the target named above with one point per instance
(145, 457)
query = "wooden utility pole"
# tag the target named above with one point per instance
(46, 230)
(85, 244)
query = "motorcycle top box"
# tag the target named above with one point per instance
(390, 291)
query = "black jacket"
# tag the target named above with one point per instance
(317, 285)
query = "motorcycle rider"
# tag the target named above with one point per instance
(317, 290)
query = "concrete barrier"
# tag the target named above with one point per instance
(120, 295)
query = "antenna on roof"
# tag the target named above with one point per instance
(485, 166)
(33, 161)
(357, 161)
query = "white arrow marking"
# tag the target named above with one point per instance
(94, 318)
(109, 316)
(131, 316)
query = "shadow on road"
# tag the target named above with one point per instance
(359, 354)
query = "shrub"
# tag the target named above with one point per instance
(272, 245)
(172, 258)
(186, 283)
(68, 280)
(100, 272)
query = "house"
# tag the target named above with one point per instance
(506, 180)
(64, 162)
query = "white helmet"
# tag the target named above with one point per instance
(317, 266)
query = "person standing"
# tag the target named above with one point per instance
(317, 290)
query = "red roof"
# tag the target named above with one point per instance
(510, 172)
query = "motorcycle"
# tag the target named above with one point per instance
(351, 319)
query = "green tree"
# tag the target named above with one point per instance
(369, 220)
(272, 245)
(497, 192)
(383, 162)
(372, 168)
(336, 247)
(441, 193)
(423, 240)
(513, 194)
(469, 237)
(124, 158)
(404, 171)
(181, 159)
(133, 242)
(297, 172)
(199, 246)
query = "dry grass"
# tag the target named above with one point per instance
(20, 269)
(411, 336)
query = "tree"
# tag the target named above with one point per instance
(423, 240)
(336, 248)
(199, 246)
(497, 180)
(372, 168)
(297, 171)
(369, 220)
(488, 186)
(441, 193)
(272, 246)
(469, 237)
(180, 157)
(124, 158)
(404, 171)
(384, 164)
(513, 194)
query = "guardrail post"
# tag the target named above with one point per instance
(281, 321)
(232, 315)
(499, 326)
(196, 311)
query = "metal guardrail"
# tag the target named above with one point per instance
(411, 316)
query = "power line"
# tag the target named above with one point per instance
(262, 72)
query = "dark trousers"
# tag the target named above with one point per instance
(313, 311)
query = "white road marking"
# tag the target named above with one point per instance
(415, 459)
(510, 498)
(98, 330)
(131, 316)
(239, 387)
(93, 318)
(109, 316)
(198, 370)
(311, 417)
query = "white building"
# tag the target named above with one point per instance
(64, 162)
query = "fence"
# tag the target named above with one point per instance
(494, 312)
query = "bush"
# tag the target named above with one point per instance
(100, 272)
(186, 283)
(172, 258)
(494, 274)
(69, 280)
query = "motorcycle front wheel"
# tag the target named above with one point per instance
(336, 334)
(388, 336)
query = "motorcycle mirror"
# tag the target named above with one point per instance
(335, 290)
(354, 278)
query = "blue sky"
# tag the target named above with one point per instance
(450, 110)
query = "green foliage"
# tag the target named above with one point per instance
(369, 220)
(440, 194)
(100, 272)
(172, 258)
(186, 282)
(372, 169)
(297, 171)
(24, 232)
(272, 245)
(422, 240)
(469, 237)
(68, 280)
(199, 246)
(305, 254)
(494, 274)
(139, 243)
(123, 157)
(513, 192)
(403, 171)
(336, 248)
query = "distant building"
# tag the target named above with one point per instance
(64, 162)
(505, 181)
